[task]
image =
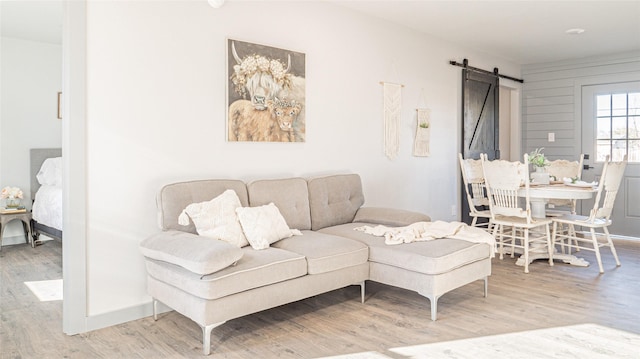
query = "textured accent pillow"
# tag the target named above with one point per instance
(198, 254)
(264, 225)
(217, 218)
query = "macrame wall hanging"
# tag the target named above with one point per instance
(423, 132)
(392, 113)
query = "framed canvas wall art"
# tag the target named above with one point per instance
(265, 93)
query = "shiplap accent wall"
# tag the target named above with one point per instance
(551, 99)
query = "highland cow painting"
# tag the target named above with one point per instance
(266, 93)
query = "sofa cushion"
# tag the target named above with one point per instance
(197, 254)
(289, 195)
(173, 198)
(255, 269)
(429, 257)
(264, 225)
(389, 217)
(324, 252)
(217, 218)
(334, 200)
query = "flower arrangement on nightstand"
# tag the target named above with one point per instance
(13, 198)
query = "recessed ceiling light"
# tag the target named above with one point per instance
(216, 3)
(576, 31)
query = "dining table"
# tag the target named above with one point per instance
(539, 196)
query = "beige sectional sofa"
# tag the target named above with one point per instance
(211, 281)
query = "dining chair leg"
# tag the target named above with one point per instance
(474, 221)
(513, 241)
(550, 245)
(596, 248)
(572, 233)
(554, 235)
(562, 240)
(496, 229)
(526, 250)
(613, 248)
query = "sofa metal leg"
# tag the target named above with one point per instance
(486, 286)
(362, 292)
(155, 309)
(434, 307)
(206, 337)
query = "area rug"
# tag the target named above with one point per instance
(578, 341)
(46, 290)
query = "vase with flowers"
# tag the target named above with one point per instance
(12, 196)
(539, 162)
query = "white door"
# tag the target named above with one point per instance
(611, 126)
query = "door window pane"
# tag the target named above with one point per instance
(619, 104)
(604, 105)
(634, 127)
(619, 127)
(604, 127)
(634, 151)
(619, 150)
(603, 149)
(634, 104)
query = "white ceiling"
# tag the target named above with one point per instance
(524, 32)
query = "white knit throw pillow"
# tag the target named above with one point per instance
(217, 218)
(264, 225)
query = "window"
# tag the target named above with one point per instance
(618, 126)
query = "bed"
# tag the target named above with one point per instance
(46, 193)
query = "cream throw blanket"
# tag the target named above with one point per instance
(425, 231)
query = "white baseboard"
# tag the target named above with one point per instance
(109, 319)
(9, 241)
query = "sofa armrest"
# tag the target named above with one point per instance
(195, 253)
(389, 216)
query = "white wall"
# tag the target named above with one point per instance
(31, 79)
(155, 114)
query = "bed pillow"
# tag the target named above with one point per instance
(264, 225)
(50, 172)
(197, 254)
(217, 218)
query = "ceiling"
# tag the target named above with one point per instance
(523, 32)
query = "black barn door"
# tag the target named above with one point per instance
(480, 121)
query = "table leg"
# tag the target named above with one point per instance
(538, 207)
(539, 250)
(565, 258)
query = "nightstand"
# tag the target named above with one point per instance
(25, 217)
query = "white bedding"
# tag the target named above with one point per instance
(47, 207)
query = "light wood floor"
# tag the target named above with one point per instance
(334, 323)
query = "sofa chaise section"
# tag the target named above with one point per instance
(431, 268)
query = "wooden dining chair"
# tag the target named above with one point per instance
(473, 181)
(513, 223)
(564, 169)
(599, 217)
(561, 169)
